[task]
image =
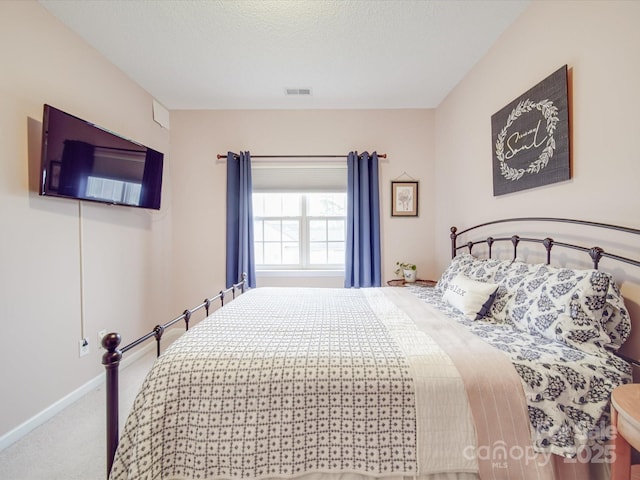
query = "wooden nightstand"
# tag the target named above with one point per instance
(625, 416)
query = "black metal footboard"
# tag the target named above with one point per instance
(113, 355)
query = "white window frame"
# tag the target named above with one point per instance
(304, 222)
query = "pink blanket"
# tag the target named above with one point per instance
(504, 449)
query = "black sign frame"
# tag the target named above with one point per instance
(530, 137)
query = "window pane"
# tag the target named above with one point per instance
(318, 253)
(258, 204)
(318, 230)
(257, 230)
(281, 225)
(273, 205)
(336, 230)
(291, 204)
(336, 253)
(326, 204)
(290, 253)
(258, 253)
(291, 230)
(272, 254)
(272, 230)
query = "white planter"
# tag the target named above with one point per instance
(409, 276)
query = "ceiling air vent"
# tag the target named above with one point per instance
(298, 91)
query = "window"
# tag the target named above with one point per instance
(113, 190)
(299, 230)
(299, 211)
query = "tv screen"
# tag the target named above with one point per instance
(83, 161)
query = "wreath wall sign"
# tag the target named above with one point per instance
(531, 137)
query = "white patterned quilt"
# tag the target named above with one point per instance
(284, 382)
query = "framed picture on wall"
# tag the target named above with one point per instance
(530, 137)
(404, 199)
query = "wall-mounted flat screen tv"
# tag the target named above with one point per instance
(81, 160)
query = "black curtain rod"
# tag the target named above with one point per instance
(380, 155)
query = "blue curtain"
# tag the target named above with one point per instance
(240, 256)
(362, 263)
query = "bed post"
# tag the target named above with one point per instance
(596, 254)
(548, 244)
(187, 317)
(111, 362)
(158, 331)
(515, 240)
(454, 237)
(243, 282)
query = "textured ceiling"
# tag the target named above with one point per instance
(224, 54)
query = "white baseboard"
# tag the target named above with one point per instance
(52, 410)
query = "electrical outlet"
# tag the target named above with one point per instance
(101, 334)
(84, 347)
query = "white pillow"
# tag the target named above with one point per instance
(471, 297)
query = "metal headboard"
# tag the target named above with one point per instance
(596, 253)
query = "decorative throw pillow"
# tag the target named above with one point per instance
(471, 297)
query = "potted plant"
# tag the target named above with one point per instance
(407, 270)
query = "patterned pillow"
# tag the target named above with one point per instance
(485, 270)
(481, 269)
(581, 308)
(457, 265)
(509, 278)
(615, 317)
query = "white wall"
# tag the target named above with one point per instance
(142, 267)
(126, 274)
(131, 258)
(197, 136)
(599, 41)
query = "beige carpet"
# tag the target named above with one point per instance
(71, 446)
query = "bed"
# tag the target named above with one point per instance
(503, 370)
